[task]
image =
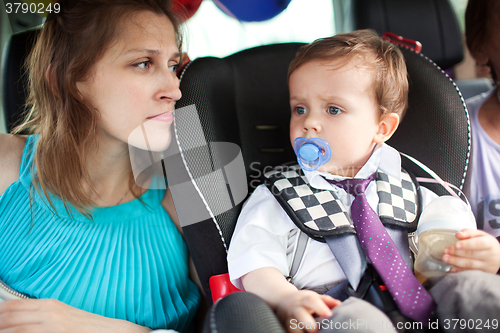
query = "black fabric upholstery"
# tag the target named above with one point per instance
(14, 82)
(243, 99)
(241, 313)
(436, 128)
(431, 22)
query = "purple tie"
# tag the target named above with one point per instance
(412, 299)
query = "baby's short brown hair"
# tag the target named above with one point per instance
(381, 57)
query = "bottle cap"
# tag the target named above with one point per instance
(446, 212)
(311, 153)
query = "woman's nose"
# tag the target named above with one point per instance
(169, 88)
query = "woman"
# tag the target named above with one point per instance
(482, 20)
(100, 252)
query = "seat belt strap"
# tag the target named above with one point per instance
(343, 248)
(301, 245)
(349, 255)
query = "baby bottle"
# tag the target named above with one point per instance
(311, 153)
(441, 219)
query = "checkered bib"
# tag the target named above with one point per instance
(320, 213)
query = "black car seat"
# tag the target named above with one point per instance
(243, 99)
(432, 22)
(14, 83)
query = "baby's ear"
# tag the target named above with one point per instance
(387, 126)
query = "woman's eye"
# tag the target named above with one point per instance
(334, 110)
(300, 110)
(173, 68)
(144, 64)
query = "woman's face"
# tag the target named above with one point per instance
(489, 52)
(133, 86)
(493, 51)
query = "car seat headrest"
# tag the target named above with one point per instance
(15, 83)
(432, 22)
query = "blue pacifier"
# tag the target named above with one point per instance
(311, 153)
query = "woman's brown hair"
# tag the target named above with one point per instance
(480, 18)
(69, 44)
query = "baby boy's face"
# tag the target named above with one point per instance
(336, 102)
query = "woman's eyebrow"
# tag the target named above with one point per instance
(150, 51)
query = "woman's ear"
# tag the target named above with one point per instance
(482, 59)
(481, 55)
(388, 124)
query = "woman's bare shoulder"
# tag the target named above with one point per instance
(11, 152)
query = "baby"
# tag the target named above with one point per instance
(349, 90)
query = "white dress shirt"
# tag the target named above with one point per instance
(261, 236)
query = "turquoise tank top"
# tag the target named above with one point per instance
(130, 262)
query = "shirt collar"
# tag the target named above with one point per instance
(384, 158)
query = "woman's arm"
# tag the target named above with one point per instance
(48, 315)
(168, 204)
(11, 152)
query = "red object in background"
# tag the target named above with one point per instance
(185, 8)
(415, 45)
(221, 286)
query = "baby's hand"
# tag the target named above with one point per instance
(475, 250)
(300, 306)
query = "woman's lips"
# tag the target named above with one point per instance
(166, 117)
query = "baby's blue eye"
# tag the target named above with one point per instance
(334, 110)
(300, 110)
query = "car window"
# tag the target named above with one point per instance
(459, 6)
(211, 32)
